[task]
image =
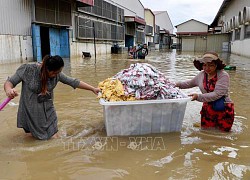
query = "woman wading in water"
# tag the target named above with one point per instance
(36, 112)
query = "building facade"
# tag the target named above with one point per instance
(166, 28)
(233, 18)
(97, 28)
(150, 28)
(33, 28)
(51, 21)
(194, 36)
(134, 20)
(15, 31)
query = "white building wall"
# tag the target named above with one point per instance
(239, 47)
(234, 8)
(15, 31)
(77, 48)
(162, 19)
(15, 49)
(192, 26)
(131, 7)
(149, 39)
(157, 46)
(174, 39)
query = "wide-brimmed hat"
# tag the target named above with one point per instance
(209, 57)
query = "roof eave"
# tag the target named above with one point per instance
(221, 10)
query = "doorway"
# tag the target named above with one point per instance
(51, 41)
(129, 41)
(45, 42)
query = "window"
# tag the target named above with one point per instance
(53, 12)
(103, 31)
(231, 36)
(105, 10)
(149, 30)
(156, 38)
(157, 29)
(247, 31)
(140, 37)
(237, 34)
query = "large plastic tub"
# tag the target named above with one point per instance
(123, 118)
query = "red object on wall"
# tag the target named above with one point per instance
(87, 2)
(135, 19)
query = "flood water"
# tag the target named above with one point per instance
(83, 150)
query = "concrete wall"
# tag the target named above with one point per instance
(76, 48)
(162, 19)
(215, 42)
(192, 26)
(174, 39)
(149, 39)
(157, 46)
(15, 49)
(241, 47)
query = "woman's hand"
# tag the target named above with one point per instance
(11, 93)
(194, 96)
(96, 91)
(10, 90)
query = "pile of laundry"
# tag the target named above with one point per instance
(141, 81)
(112, 90)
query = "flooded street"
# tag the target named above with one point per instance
(83, 150)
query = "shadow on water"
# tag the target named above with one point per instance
(84, 151)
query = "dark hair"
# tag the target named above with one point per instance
(219, 64)
(49, 63)
(198, 64)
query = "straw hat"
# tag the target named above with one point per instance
(207, 58)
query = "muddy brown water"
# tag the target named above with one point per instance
(83, 151)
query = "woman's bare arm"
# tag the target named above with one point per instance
(86, 86)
